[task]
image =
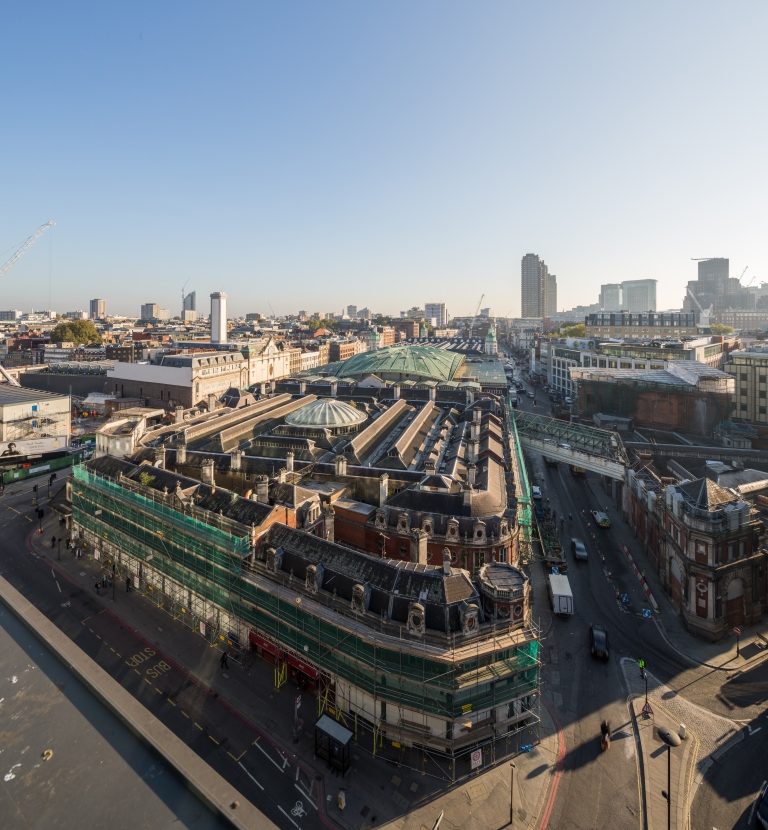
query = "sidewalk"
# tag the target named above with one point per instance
(707, 735)
(378, 791)
(660, 764)
(753, 646)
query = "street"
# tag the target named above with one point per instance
(265, 772)
(607, 591)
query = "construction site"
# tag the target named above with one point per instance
(423, 661)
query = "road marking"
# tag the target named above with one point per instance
(58, 586)
(305, 794)
(197, 725)
(184, 713)
(754, 804)
(288, 817)
(260, 786)
(218, 743)
(753, 731)
(173, 703)
(268, 756)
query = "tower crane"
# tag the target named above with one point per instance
(24, 247)
(474, 317)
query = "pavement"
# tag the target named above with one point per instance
(394, 791)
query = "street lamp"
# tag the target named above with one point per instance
(671, 739)
(511, 793)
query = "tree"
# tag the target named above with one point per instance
(721, 328)
(575, 330)
(76, 331)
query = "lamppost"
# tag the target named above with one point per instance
(671, 739)
(511, 793)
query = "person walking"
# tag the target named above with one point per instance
(224, 662)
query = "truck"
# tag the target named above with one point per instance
(560, 594)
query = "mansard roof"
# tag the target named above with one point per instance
(706, 494)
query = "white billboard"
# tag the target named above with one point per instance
(33, 446)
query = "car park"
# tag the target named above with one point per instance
(598, 642)
(579, 549)
(601, 518)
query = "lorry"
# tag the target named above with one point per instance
(560, 594)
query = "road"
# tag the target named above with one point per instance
(728, 796)
(245, 755)
(606, 591)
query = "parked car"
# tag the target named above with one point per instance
(536, 491)
(579, 549)
(601, 519)
(598, 642)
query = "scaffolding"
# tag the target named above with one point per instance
(522, 489)
(200, 567)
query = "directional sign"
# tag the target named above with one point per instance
(737, 631)
(625, 598)
(526, 747)
(555, 569)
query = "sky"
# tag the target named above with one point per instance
(305, 155)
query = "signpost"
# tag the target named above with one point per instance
(476, 759)
(737, 632)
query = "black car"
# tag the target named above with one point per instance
(598, 642)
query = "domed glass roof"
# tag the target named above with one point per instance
(326, 412)
(400, 362)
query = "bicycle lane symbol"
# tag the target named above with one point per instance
(298, 810)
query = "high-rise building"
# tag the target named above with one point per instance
(352, 312)
(436, 312)
(98, 309)
(550, 295)
(150, 311)
(638, 295)
(610, 297)
(218, 317)
(189, 307)
(538, 288)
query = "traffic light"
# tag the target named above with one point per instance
(34, 488)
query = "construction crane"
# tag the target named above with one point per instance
(704, 258)
(474, 317)
(705, 314)
(24, 247)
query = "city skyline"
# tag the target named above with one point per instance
(317, 153)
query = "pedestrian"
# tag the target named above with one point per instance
(224, 662)
(127, 584)
(53, 542)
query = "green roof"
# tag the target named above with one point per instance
(404, 362)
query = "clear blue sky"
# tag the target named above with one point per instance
(309, 155)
